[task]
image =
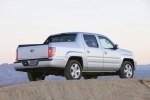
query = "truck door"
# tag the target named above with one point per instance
(94, 53)
(111, 55)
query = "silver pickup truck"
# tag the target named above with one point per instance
(74, 54)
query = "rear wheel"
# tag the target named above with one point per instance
(126, 71)
(35, 76)
(73, 70)
(90, 77)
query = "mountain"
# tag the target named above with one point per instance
(142, 71)
(8, 75)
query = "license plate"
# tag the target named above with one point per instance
(33, 62)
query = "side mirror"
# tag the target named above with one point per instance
(116, 47)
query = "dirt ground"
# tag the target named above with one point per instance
(104, 89)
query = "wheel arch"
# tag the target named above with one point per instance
(130, 60)
(78, 58)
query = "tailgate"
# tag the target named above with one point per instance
(32, 52)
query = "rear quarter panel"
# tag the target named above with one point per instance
(65, 50)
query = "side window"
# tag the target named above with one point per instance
(90, 40)
(106, 43)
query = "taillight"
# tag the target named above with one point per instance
(51, 51)
(16, 54)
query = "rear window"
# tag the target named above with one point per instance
(61, 38)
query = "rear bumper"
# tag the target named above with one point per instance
(47, 63)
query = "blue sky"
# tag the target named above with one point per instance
(126, 22)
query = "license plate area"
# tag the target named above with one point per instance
(33, 62)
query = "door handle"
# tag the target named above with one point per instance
(105, 52)
(88, 51)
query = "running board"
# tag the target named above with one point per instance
(97, 71)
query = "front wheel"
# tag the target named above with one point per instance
(73, 70)
(126, 70)
(35, 76)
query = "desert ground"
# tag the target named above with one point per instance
(100, 89)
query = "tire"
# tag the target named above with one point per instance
(90, 77)
(73, 70)
(126, 70)
(35, 76)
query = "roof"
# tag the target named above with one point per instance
(77, 33)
